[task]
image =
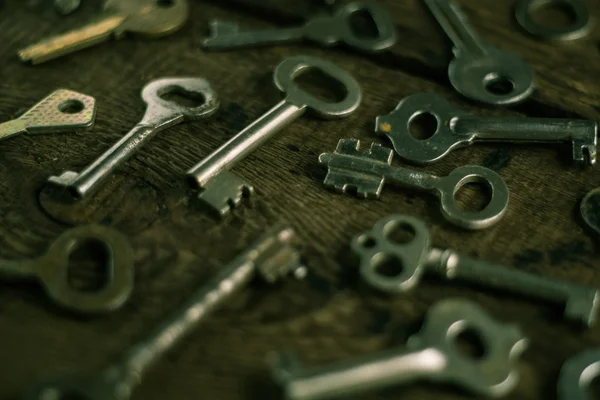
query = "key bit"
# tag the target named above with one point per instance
(224, 192)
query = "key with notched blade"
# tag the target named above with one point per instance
(149, 18)
(62, 111)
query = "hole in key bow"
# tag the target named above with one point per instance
(88, 265)
(499, 85)
(470, 344)
(423, 125)
(593, 388)
(554, 15)
(320, 85)
(473, 195)
(71, 106)
(401, 233)
(363, 25)
(182, 97)
(367, 242)
(388, 265)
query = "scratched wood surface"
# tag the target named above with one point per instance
(331, 315)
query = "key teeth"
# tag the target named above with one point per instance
(376, 152)
(225, 192)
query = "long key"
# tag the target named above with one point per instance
(221, 189)
(324, 30)
(349, 167)
(480, 71)
(431, 355)
(160, 114)
(150, 18)
(417, 257)
(51, 270)
(271, 257)
(61, 111)
(457, 129)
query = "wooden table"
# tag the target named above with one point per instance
(331, 315)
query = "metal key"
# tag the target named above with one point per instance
(150, 18)
(456, 129)
(417, 257)
(349, 167)
(52, 270)
(62, 111)
(480, 71)
(580, 25)
(221, 189)
(324, 30)
(431, 355)
(577, 375)
(160, 114)
(272, 256)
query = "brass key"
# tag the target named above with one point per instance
(151, 18)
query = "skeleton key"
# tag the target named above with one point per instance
(62, 111)
(150, 18)
(480, 71)
(324, 30)
(350, 167)
(432, 355)
(578, 374)
(52, 269)
(417, 257)
(272, 256)
(221, 189)
(457, 129)
(160, 114)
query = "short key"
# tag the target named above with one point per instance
(324, 30)
(367, 172)
(221, 189)
(430, 355)
(160, 114)
(417, 257)
(477, 67)
(272, 256)
(61, 111)
(151, 18)
(51, 270)
(457, 129)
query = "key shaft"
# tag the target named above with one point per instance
(220, 40)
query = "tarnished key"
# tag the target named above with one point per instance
(480, 71)
(221, 189)
(416, 257)
(271, 257)
(160, 114)
(433, 354)
(349, 167)
(457, 129)
(52, 270)
(62, 111)
(324, 30)
(150, 18)
(578, 374)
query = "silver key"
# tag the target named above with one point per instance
(349, 167)
(431, 355)
(272, 256)
(324, 30)
(580, 25)
(417, 257)
(456, 129)
(480, 71)
(221, 189)
(160, 114)
(577, 375)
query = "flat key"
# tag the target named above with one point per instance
(149, 18)
(457, 129)
(417, 257)
(323, 30)
(62, 111)
(480, 71)
(271, 257)
(431, 355)
(349, 167)
(51, 270)
(160, 114)
(577, 375)
(220, 189)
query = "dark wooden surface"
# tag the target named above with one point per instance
(331, 315)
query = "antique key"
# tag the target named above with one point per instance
(151, 18)
(324, 30)
(51, 270)
(272, 256)
(62, 111)
(457, 129)
(221, 189)
(577, 375)
(160, 114)
(480, 71)
(417, 257)
(367, 172)
(432, 354)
